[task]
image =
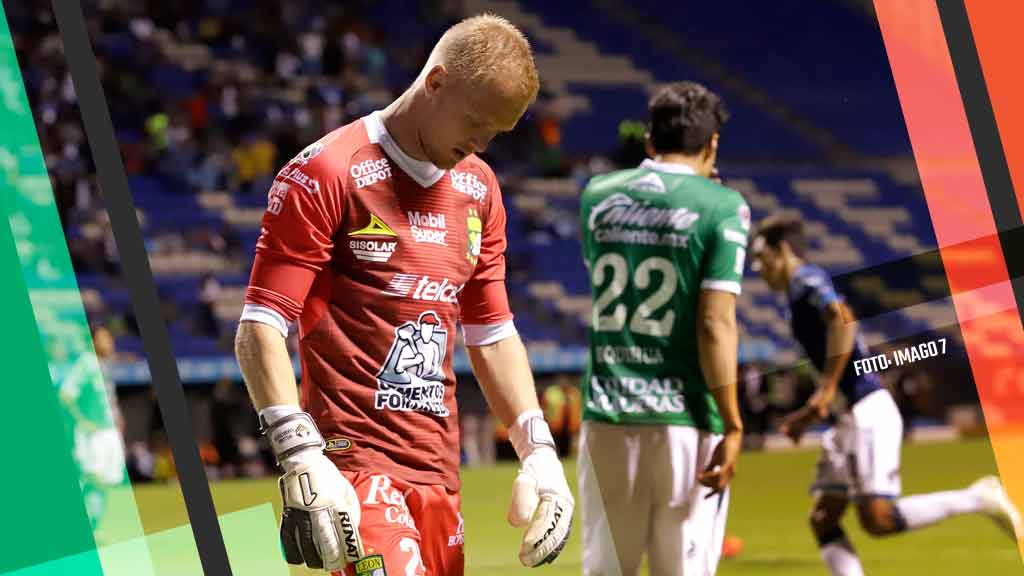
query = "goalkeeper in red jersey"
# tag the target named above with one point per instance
(377, 239)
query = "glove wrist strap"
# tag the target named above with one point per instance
(290, 434)
(530, 432)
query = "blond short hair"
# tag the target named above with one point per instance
(488, 47)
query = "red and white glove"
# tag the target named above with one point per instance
(541, 499)
(320, 522)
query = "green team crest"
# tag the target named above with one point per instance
(474, 233)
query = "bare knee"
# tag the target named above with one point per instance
(821, 522)
(878, 517)
(825, 515)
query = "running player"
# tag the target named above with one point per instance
(377, 239)
(860, 458)
(665, 247)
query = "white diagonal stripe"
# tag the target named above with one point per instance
(735, 236)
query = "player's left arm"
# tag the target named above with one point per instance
(541, 499)
(503, 370)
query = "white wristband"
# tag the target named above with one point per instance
(529, 432)
(272, 414)
(290, 431)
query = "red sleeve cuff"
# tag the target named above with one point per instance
(279, 285)
(484, 302)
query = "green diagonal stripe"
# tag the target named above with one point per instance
(58, 402)
(56, 392)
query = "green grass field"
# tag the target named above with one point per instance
(769, 510)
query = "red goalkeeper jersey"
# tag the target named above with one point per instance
(377, 256)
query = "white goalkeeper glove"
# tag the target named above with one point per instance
(320, 522)
(541, 499)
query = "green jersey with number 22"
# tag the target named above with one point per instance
(653, 238)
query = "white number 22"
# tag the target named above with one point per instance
(642, 321)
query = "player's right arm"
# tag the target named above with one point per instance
(717, 335)
(840, 339)
(296, 240)
(320, 521)
(266, 365)
(841, 335)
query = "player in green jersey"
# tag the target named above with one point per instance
(665, 247)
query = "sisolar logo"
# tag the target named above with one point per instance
(375, 242)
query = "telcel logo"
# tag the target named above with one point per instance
(431, 291)
(423, 288)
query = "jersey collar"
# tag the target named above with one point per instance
(651, 164)
(424, 173)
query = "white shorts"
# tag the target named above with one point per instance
(639, 493)
(861, 454)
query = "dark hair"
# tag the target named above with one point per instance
(778, 227)
(683, 116)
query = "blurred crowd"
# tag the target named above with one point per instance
(215, 95)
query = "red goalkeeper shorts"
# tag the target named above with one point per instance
(414, 530)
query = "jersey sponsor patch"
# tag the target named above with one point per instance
(375, 242)
(337, 445)
(275, 199)
(459, 538)
(621, 218)
(469, 184)
(636, 395)
(428, 227)
(423, 288)
(412, 376)
(296, 175)
(381, 492)
(370, 172)
(376, 227)
(401, 284)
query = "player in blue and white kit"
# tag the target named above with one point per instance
(860, 460)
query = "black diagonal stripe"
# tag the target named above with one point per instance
(139, 277)
(985, 132)
(919, 278)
